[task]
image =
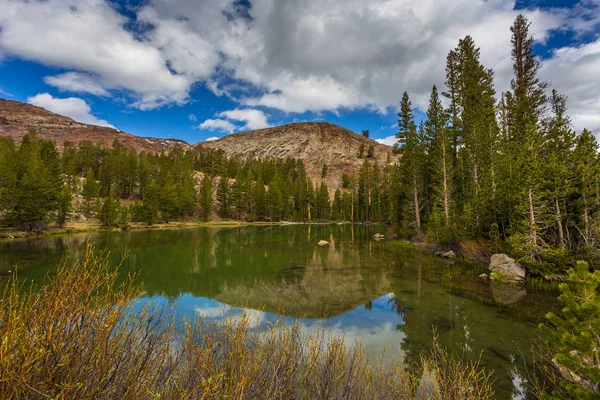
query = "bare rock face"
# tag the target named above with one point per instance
(506, 269)
(16, 119)
(315, 143)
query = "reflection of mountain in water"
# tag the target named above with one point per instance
(329, 283)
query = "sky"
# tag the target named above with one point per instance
(200, 69)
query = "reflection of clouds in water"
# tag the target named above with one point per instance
(217, 310)
(519, 384)
(375, 328)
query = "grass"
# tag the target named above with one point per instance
(82, 335)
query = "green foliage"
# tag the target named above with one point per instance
(109, 212)
(223, 198)
(64, 204)
(206, 194)
(150, 204)
(361, 151)
(371, 151)
(365, 133)
(574, 334)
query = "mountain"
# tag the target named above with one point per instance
(315, 143)
(17, 118)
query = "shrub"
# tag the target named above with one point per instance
(83, 335)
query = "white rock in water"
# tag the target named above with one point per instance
(322, 243)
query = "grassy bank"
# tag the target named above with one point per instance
(94, 226)
(77, 337)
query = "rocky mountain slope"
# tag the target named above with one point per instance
(316, 143)
(17, 118)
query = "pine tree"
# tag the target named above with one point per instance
(223, 198)
(411, 147)
(259, 197)
(526, 108)
(91, 190)
(587, 169)
(574, 335)
(150, 203)
(169, 202)
(206, 193)
(64, 204)
(440, 163)
(365, 133)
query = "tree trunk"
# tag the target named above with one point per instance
(532, 230)
(561, 234)
(416, 199)
(446, 189)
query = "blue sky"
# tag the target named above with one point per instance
(199, 69)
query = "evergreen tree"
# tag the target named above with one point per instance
(64, 204)
(169, 202)
(411, 147)
(150, 204)
(206, 193)
(440, 163)
(223, 198)
(574, 335)
(365, 133)
(91, 190)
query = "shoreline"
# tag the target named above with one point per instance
(95, 227)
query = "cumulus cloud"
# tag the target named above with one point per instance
(192, 117)
(77, 82)
(252, 119)
(293, 56)
(389, 140)
(210, 139)
(72, 107)
(574, 71)
(218, 125)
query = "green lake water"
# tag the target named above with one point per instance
(382, 293)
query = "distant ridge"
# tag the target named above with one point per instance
(315, 143)
(17, 118)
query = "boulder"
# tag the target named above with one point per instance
(379, 236)
(506, 269)
(483, 276)
(322, 243)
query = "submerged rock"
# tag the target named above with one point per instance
(322, 243)
(506, 269)
(507, 294)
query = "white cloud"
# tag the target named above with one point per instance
(218, 125)
(210, 139)
(192, 117)
(72, 107)
(574, 71)
(288, 55)
(77, 82)
(253, 119)
(390, 140)
(90, 36)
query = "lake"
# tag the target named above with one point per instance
(384, 293)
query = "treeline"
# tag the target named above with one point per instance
(39, 185)
(511, 171)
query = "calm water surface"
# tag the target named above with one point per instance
(383, 294)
